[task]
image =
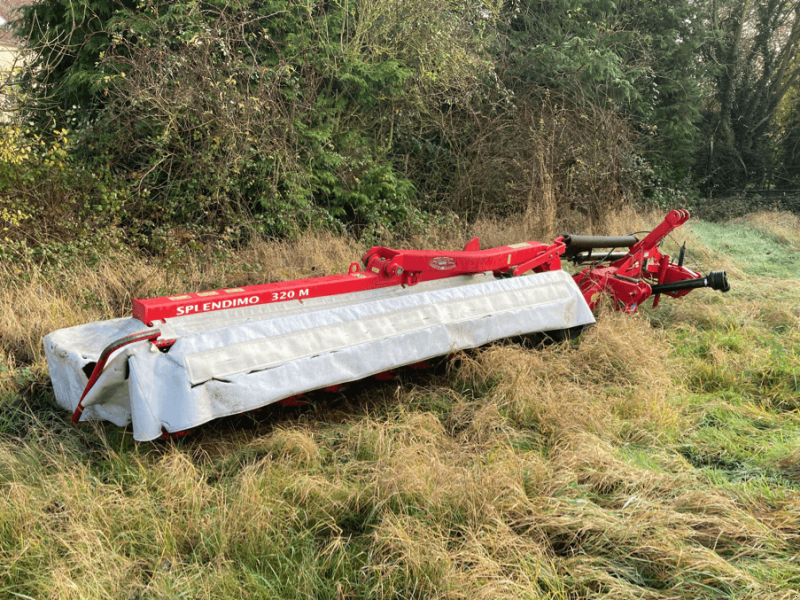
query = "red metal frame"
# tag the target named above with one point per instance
(384, 267)
(143, 336)
(628, 279)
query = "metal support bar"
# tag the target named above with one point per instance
(149, 336)
(383, 267)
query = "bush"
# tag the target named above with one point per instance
(52, 205)
(274, 115)
(545, 156)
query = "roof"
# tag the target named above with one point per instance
(8, 8)
(9, 11)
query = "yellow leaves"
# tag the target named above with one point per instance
(12, 217)
(15, 148)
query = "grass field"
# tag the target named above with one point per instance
(658, 456)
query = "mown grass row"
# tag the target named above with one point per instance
(655, 457)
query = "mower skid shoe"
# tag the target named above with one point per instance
(234, 361)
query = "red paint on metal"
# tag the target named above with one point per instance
(292, 401)
(169, 435)
(663, 265)
(628, 279)
(473, 244)
(149, 336)
(420, 365)
(384, 267)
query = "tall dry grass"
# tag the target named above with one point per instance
(602, 467)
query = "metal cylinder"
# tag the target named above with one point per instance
(587, 242)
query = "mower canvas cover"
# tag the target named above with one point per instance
(228, 362)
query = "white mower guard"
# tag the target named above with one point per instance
(228, 362)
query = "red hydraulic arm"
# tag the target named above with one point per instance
(642, 271)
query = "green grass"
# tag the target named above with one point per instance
(656, 457)
(754, 251)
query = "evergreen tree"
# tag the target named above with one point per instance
(67, 42)
(637, 55)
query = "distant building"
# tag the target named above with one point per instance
(10, 45)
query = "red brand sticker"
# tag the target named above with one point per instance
(443, 263)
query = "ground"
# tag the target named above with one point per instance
(658, 456)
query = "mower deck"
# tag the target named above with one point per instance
(227, 362)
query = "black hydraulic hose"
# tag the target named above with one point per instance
(585, 257)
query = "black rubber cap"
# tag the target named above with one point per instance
(717, 280)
